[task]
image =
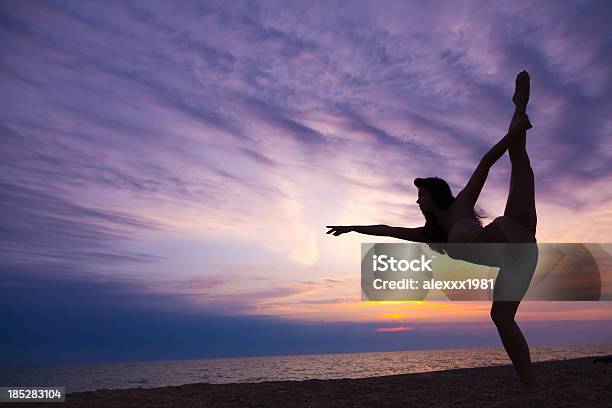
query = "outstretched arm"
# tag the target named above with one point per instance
(469, 195)
(408, 234)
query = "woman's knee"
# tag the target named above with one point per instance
(502, 315)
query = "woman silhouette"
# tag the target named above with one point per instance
(453, 219)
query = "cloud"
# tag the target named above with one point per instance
(393, 329)
(40, 227)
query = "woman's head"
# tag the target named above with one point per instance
(434, 193)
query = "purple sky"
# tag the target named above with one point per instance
(197, 149)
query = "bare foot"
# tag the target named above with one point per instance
(521, 91)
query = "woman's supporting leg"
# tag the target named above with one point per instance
(502, 313)
(520, 206)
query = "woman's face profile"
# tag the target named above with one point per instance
(425, 201)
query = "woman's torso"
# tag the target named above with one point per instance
(460, 224)
(464, 228)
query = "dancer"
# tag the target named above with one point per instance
(453, 219)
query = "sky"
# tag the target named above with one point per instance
(168, 168)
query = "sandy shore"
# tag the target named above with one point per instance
(566, 383)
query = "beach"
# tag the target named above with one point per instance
(563, 383)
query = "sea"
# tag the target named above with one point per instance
(151, 374)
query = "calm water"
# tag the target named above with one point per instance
(255, 369)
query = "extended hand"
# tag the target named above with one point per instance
(338, 229)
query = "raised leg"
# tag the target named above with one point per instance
(520, 205)
(502, 313)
